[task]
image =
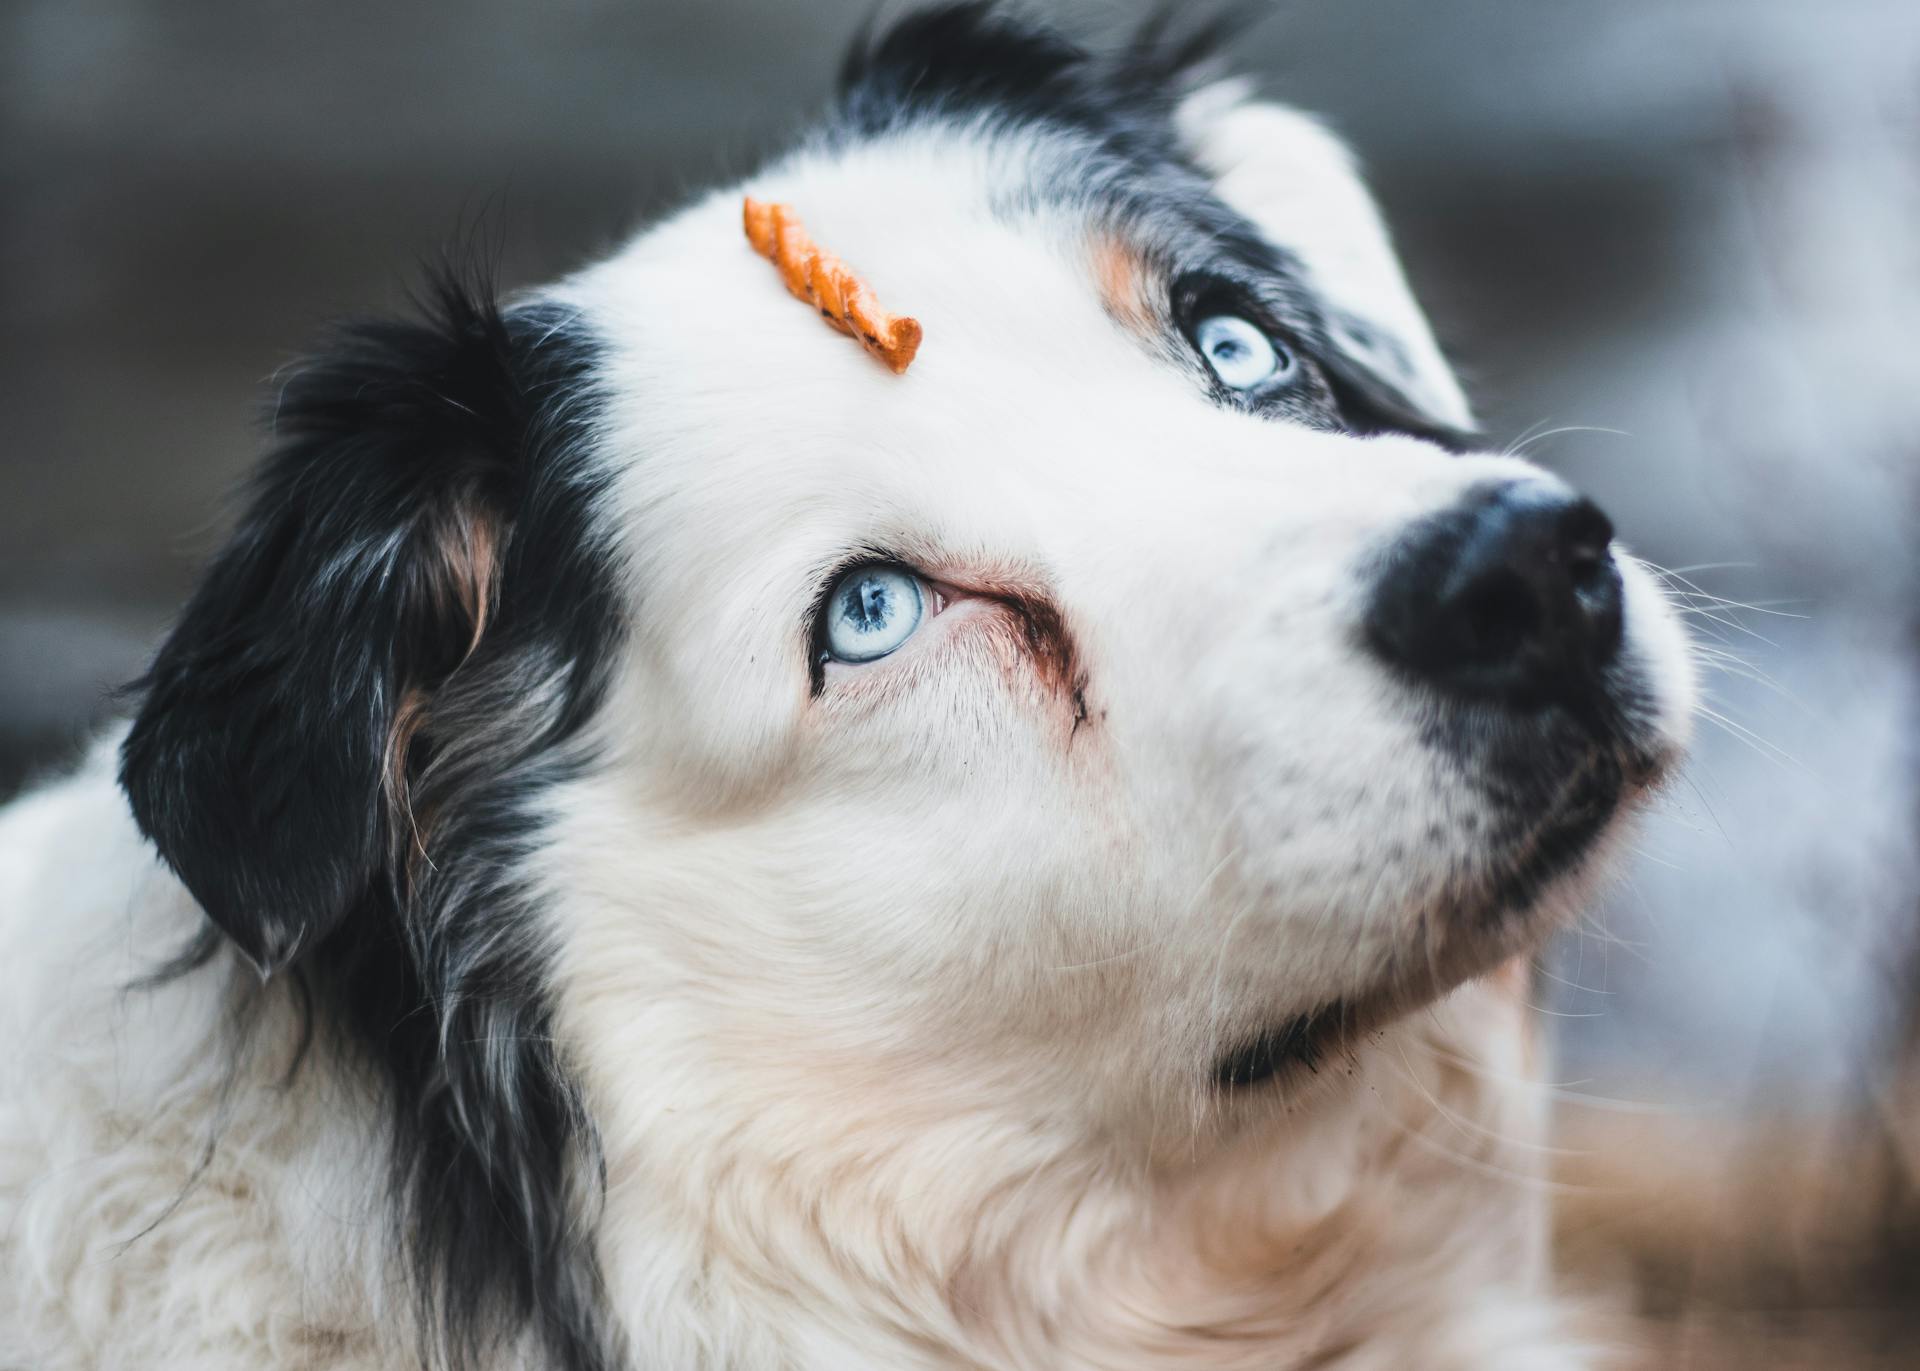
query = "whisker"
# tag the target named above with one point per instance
(1562, 1095)
(1530, 437)
(1711, 566)
(1750, 738)
(1518, 1179)
(1467, 1127)
(1564, 1013)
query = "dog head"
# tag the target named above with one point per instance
(1146, 692)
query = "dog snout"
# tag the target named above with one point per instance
(1511, 594)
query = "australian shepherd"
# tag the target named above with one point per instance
(977, 794)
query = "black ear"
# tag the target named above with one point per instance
(267, 759)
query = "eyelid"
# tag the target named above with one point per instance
(1200, 296)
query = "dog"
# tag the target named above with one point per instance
(663, 842)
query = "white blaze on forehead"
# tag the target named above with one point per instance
(1297, 182)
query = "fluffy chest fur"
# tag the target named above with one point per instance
(167, 1204)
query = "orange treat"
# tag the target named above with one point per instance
(829, 285)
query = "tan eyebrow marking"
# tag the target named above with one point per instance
(1123, 280)
(829, 285)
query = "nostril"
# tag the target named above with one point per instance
(1586, 531)
(1497, 617)
(1585, 569)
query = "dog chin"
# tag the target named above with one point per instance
(1547, 842)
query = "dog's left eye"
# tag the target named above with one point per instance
(1239, 351)
(871, 611)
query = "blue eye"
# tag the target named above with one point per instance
(871, 611)
(1239, 352)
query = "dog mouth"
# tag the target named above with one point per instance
(1552, 784)
(1301, 1043)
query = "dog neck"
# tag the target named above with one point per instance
(770, 1204)
(868, 1214)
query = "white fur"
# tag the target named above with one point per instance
(893, 1008)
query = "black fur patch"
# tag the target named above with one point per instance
(337, 746)
(974, 61)
(974, 58)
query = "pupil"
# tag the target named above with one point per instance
(867, 606)
(1229, 350)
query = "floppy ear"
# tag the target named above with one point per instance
(267, 759)
(1299, 185)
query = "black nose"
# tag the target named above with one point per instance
(1511, 594)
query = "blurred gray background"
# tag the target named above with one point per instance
(1671, 242)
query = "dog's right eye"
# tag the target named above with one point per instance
(870, 612)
